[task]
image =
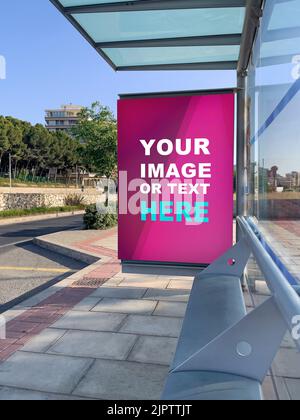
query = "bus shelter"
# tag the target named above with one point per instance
(260, 40)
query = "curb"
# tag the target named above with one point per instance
(17, 220)
(33, 297)
(67, 251)
(37, 295)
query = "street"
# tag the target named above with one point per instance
(14, 234)
(25, 267)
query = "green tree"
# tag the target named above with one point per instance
(97, 131)
(16, 146)
(39, 142)
(4, 140)
(66, 151)
(34, 150)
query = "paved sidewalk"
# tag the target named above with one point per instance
(103, 334)
(283, 381)
(284, 238)
(100, 334)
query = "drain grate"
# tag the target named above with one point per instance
(90, 282)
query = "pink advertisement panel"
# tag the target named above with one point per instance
(176, 178)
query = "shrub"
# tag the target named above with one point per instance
(74, 200)
(94, 219)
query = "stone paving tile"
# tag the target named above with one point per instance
(6, 353)
(145, 351)
(110, 243)
(281, 388)
(167, 295)
(123, 381)
(94, 345)
(113, 282)
(37, 299)
(71, 352)
(293, 387)
(152, 325)
(173, 309)
(145, 283)
(119, 293)
(260, 299)
(155, 350)
(288, 342)
(87, 304)
(248, 300)
(136, 276)
(43, 372)
(181, 284)
(15, 394)
(43, 341)
(269, 390)
(261, 288)
(126, 306)
(21, 329)
(90, 321)
(274, 387)
(287, 364)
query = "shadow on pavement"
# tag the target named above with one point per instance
(52, 256)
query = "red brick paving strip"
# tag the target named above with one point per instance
(97, 250)
(106, 271)
(87, 245)
(36, 319)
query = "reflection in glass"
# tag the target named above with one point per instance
(274, 130)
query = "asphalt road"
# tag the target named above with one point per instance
(13, 234)
(24, 267)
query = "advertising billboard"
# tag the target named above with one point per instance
(176, 177)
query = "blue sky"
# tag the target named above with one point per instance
(49, 64)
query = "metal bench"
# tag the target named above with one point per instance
(224, 353)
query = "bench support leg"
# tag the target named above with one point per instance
(232, 263)
(247, 349)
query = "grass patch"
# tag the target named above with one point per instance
(18, 183)
(6, 214)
